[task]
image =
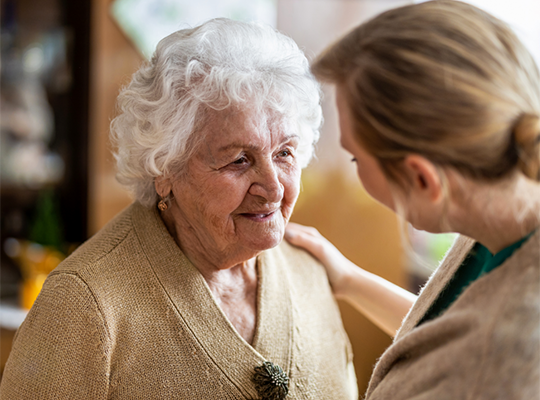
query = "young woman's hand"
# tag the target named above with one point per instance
(383, 302)
(338, 267)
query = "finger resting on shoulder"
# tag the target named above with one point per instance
(295, 228)
(302, 238)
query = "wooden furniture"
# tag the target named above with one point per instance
(6, 338)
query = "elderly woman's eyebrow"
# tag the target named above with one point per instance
(290, 137)
(249, 146)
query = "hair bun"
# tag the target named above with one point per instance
(527, 140)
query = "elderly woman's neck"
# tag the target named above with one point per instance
(232, 278)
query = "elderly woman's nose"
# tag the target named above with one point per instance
(268, 185)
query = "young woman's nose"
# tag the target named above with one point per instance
(267, 184)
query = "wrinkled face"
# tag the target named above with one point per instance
(367, 166)
(239, 188)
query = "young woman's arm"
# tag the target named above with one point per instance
(384, 303)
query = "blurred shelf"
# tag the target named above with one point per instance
(45, 83)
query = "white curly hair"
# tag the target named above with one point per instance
(219, 64)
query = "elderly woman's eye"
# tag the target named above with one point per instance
(240, 161)
(285, 153)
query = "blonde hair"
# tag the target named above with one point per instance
(445, 80)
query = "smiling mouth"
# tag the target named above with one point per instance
(259, 217)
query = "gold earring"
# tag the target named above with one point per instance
(162, 205)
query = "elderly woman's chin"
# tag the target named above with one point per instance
(261, 232)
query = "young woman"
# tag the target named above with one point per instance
(439, 105)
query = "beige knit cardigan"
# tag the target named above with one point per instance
(127, 316)
(486, 346)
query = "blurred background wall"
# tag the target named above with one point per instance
(63, 63)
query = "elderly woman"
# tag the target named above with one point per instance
(189, 293)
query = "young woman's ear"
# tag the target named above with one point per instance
(163, 186)
(424, 177)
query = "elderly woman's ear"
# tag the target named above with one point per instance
(163, 186)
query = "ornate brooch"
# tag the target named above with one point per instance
(271, 381)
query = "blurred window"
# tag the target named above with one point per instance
(146, 22)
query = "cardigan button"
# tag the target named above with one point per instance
(271, 382)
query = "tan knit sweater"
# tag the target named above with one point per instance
(127, 316)
(486, 346)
